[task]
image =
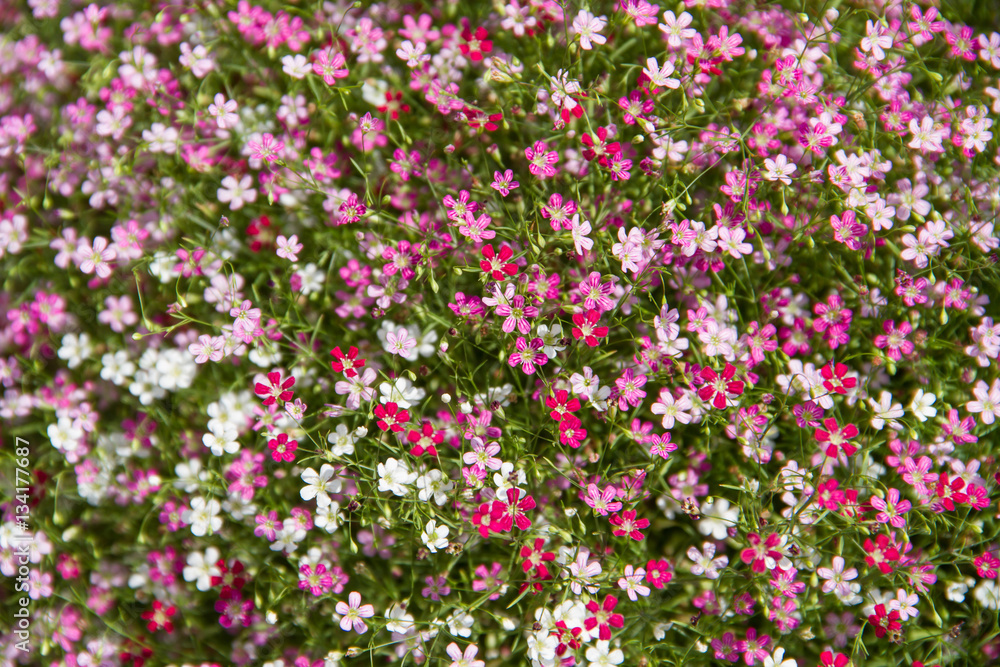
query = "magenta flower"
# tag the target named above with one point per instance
(541, 161)
(529, 355)
(330, 67)
(894, 341)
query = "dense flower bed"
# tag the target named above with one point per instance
(535, 333)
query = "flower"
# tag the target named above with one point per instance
(352, 612)
(320, 485)
(588, 28)
(466, 659)
(720, 389)
(626, 524)
(434, 537)
(395, 477)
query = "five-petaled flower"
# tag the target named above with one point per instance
(276, 389)
(720, 389)
(496, 265)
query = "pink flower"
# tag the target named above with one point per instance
(892, 509)
(330, 67)
(541, 160)
(352, 612)
(626, 524)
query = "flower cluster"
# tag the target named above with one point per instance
(526, 332)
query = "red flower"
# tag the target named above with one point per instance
(834, 378)
(159, 617)
(229, 577)
(535, 558)
(561, 405)
(881, 553)
(425, 440)
(275, 389)
(497, 265)
(390, 417)
(571, 433)
(475, 44)
(628, 525)
(393, 104)
(600, 148)
(346, 364)
(718, 388)
(949, 493)
(603, 617)
(837, 437)
(283, 449)
(585, 328)
(884, 621)
(504, 515)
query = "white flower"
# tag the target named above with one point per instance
(885, 412)
(434, 485)
(237, 193)
(905, 604)
(394, 476)
(343, 441)
(296, 66)
(117, 367)
(65, 435)
(75, 349)
(434, 536)
(602, 655)
(320, 485)
(328, 517)
(398, 620)
(955, 590)
(922, 405)
(221, 440)
(717, 517)
(988, 594)
(460, 624)
(550, 338)
(202, 567)
(777, 659)
(312, 278)
(203, 516)
(189, 475)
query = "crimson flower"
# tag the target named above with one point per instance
(718, 388)
(586, 327)
(561, 404)
(229, 577)
(881, 553)
(837, 437)
(275, 390)
(883, 621)
(627, 524)
(497, 265)
(346, 363)
(535, 557)
(475, 44)
(603, 617)
(504, 515)
(425, 440)
(390, 417)
(159, 617)
(834, 378)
